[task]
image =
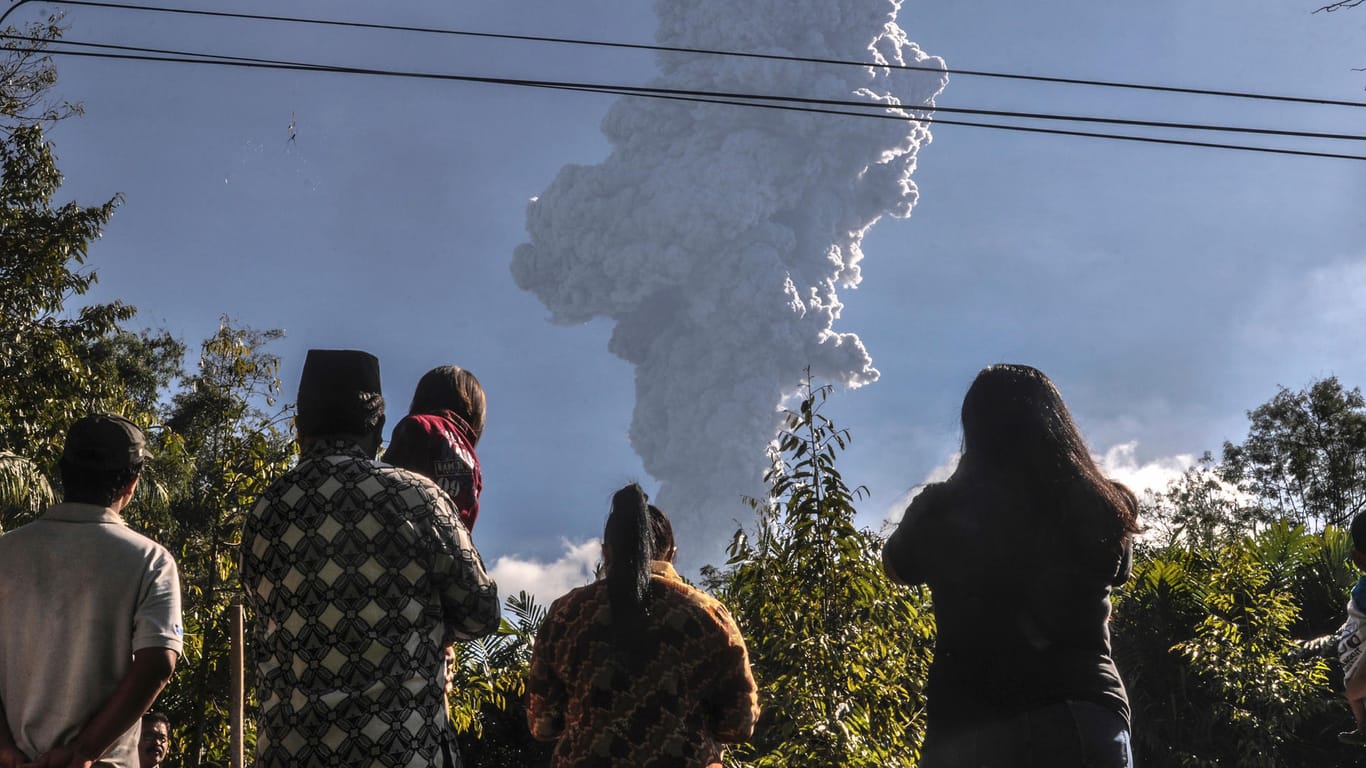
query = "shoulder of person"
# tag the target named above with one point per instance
(695, 599)
(153, 547)
(931, 498)
(567, 607)
(397, 475)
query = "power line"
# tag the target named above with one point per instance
(654, 93)
(699, 51)
(647, 90)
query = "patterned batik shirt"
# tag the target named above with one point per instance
(673, 709)
(357, 573)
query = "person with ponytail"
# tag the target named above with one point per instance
(638, 668)
(1020, 547)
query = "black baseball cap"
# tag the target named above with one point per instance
(105, 441)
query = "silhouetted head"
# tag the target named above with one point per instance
(1013, 416)
(102, 457)
(1017, 429)
(339, 396)
(1358, 530)
(452, 388)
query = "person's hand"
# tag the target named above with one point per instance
(61, 757)
(11, 757)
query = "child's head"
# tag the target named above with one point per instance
(452, 388)
(1358, 530)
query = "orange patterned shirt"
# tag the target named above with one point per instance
(674, 710)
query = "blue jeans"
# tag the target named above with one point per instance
(1069, 734)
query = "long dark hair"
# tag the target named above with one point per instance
(452, 388)
(630, 539)
(663, 532)
(1018, 431)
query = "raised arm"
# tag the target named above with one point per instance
(900, 560)
(469, 597)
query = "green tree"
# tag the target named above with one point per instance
(839, 652)
(24, 491)
(1304, 457)
(47, 374)
(45, 370)
(487, 697)
(225, 440)
(1203, 510)
(1206, 641)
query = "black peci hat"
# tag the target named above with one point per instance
(339, 392)
(104, 441)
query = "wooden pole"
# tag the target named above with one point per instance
(236, 712)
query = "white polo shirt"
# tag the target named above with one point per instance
(80, 593)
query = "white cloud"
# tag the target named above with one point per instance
(548, 580)
(1120, 462)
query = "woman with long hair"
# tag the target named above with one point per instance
(638, 668)
(1020, 549)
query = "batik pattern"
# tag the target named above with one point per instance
(357, 574)
(672, 708)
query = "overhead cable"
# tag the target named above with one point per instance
(699, 51)
(647, 90)
(752, 101)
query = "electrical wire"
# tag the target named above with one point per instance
(644, 90)
(699, 51)
(654, 93)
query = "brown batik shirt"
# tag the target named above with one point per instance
(357, 573)
(673, 709)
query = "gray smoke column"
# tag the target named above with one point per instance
(717, 236)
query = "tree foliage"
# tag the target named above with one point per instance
(839, 652)
(1304, 458)
(1201, 509)
(487, 698)
(47, 374)
(225, 441)
(1207, 643)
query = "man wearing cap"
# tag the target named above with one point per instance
(90, 624)
(357, 574)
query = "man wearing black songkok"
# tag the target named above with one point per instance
(358, 573)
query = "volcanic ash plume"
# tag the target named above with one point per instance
(716, 236)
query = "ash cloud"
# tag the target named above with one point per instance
(717, 237)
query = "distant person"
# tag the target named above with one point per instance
(1020, 548)
(638, 668)
(155, 742)
(437, 437)
(1351, 640)
(90, 624)
(357, 574)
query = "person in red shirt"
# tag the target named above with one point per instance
(438, 436)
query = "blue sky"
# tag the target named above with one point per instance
(1167, 290)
